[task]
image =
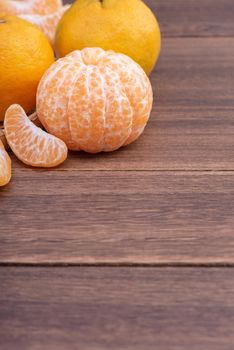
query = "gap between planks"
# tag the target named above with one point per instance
(123, 265)
(169, 171)
(195, 36)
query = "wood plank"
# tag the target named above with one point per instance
(189, 18)
(192, 124)
(116, 308)
(117, 217)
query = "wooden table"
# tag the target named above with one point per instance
(135, 249)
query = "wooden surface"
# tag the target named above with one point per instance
(119, 217)
(74, 240)
(116, 308)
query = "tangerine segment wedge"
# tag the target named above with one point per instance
(86, 110)
(30, 144)
(136, 86)
(5, 166)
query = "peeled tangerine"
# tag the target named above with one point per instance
(95, 100)
(32, 145)
(5, 166)
(17, 7)
(47, 23)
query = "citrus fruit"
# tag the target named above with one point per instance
(128, 27)
(2, 136)
(33, 117)
(25, 55)
(30, 144)
(17, 7)
(95, 100)
(48, 23)
(5, 166)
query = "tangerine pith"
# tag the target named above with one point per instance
(47, 23)
(95, 100)
(41, 7)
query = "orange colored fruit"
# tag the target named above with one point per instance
(17, 7)
(126, 26)
(95, 100)
(30, 144)
(25, 54)
(5, 166)
(48, 23)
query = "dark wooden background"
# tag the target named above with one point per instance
(135, 249)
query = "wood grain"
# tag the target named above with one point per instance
(200, 18)
(167, 199)
(116, 308)
(190, 18)
(117, 217)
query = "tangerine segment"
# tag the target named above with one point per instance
(136, 86)
(86, 110)
(18, 7)
(55, 84)
(32, 145)
(47, 23)
(119, 112)
(5, 166)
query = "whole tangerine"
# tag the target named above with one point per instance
(95, 100)
(126, 26)
(25, 55)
